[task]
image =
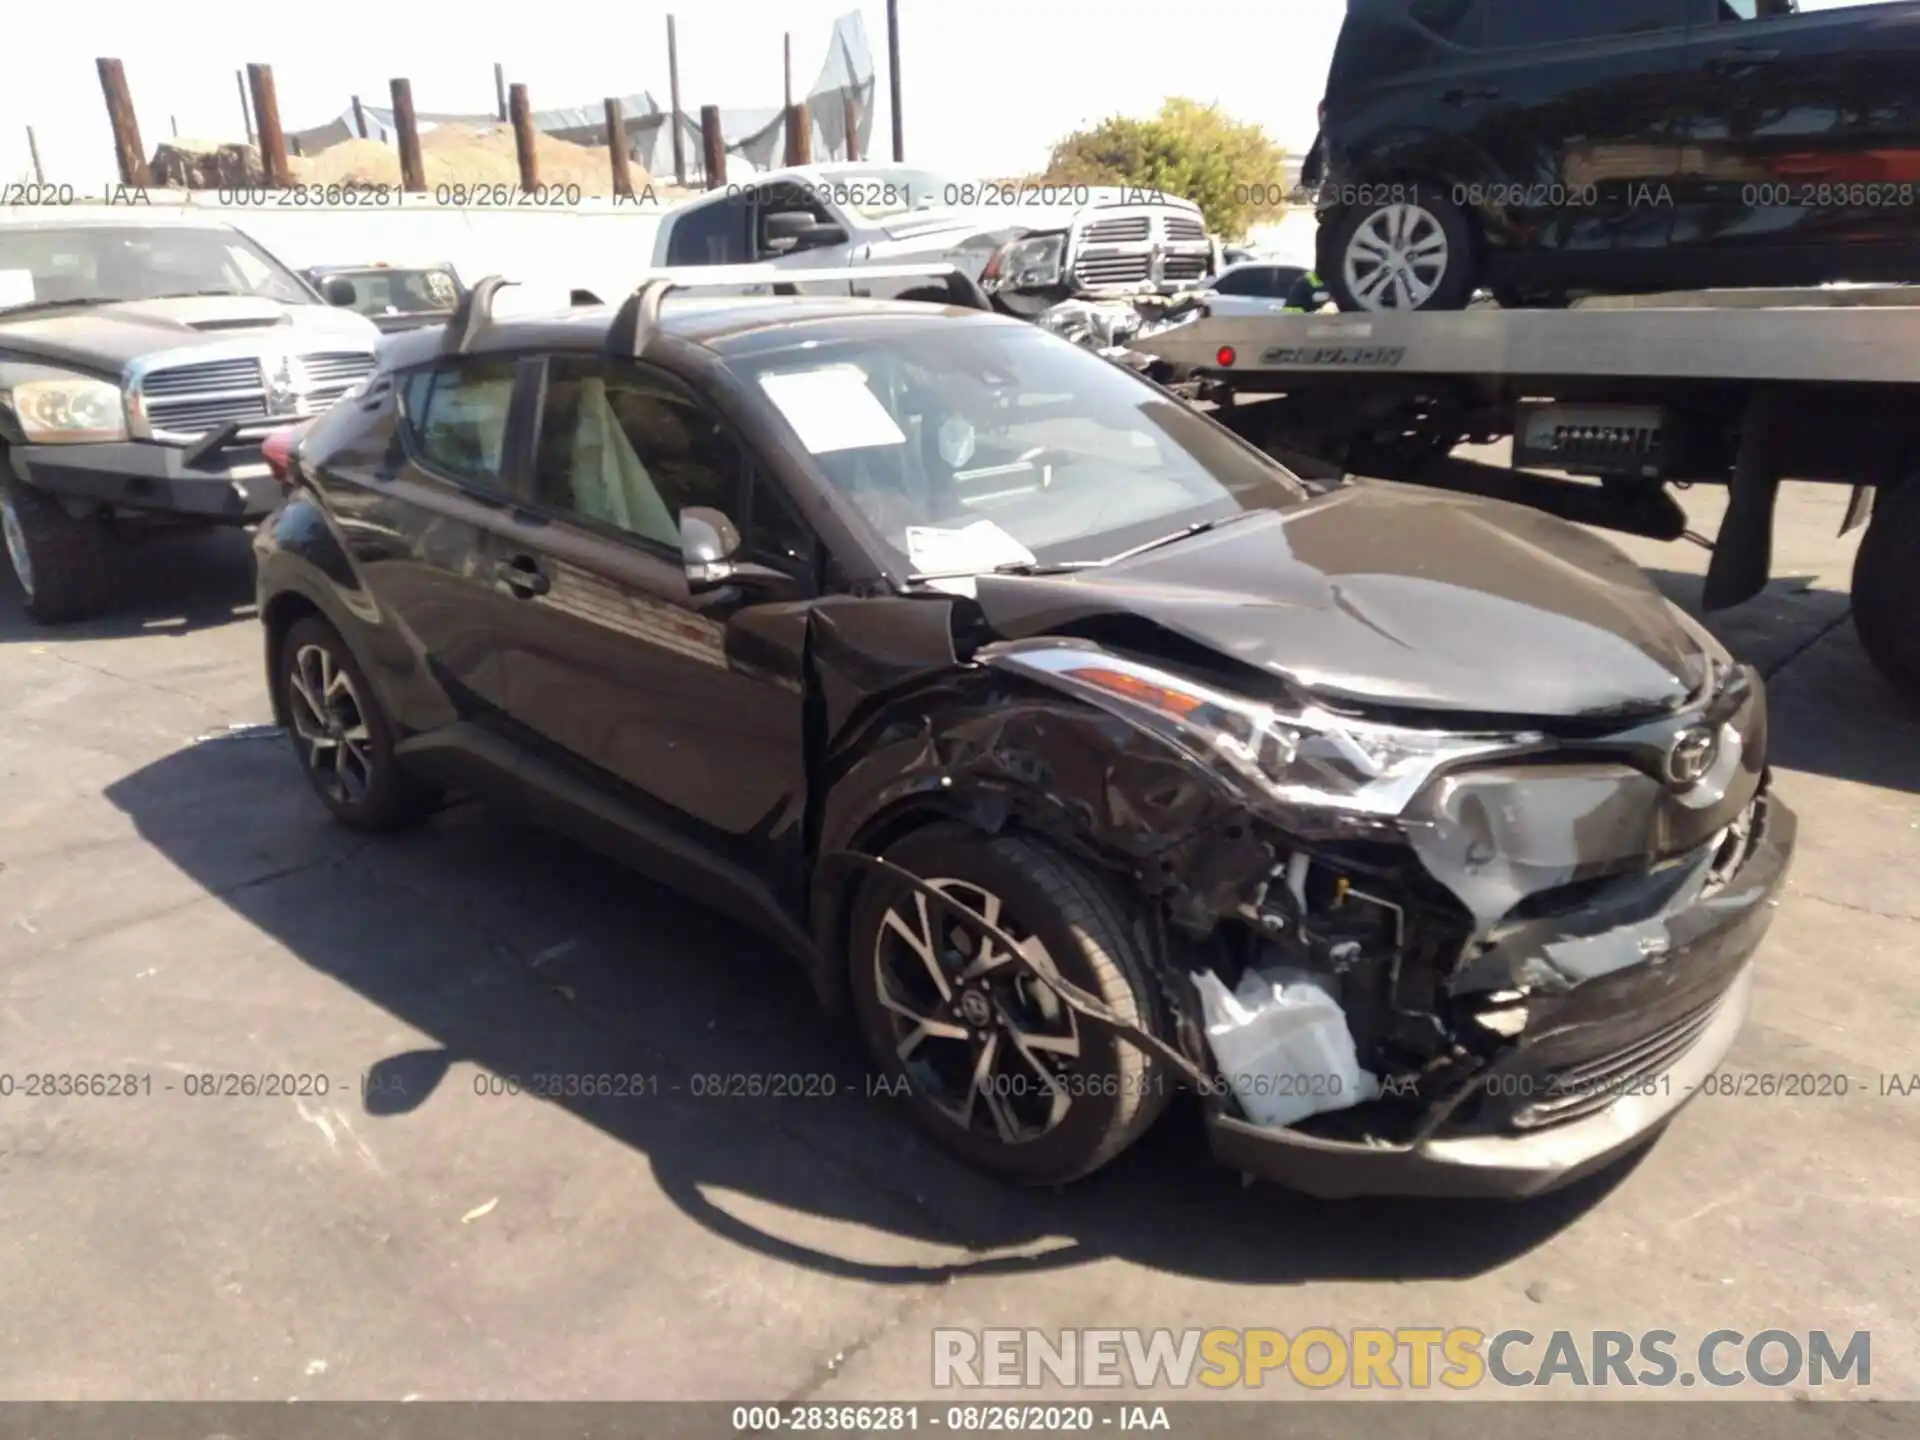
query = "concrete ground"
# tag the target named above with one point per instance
(173, 904)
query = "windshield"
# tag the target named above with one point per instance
(398, 292)
(95, 263)
(890, 190)
(975, 446)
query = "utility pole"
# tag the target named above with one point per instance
(893, 79)
(673, 82)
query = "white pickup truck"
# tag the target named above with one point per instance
(1028, 245)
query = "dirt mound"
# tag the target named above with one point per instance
(459, 155)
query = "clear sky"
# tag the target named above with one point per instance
(989, 85)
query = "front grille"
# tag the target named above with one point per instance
(1185, 227)
(1582, 1090)
(202, 396)
(1113, 269)
(1122, 228)
(1183, 267)
(204, 380)
(336, 372)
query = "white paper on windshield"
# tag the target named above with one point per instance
(832, 409)
(969, 550)
(16, 287)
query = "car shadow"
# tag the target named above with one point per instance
(521, 955)
(1830, 712)
(163, 584)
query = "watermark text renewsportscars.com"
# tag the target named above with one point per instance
(1407, 1358)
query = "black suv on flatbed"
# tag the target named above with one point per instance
(142, 358)
(1543, 147)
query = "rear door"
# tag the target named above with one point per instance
(418, 500)
(1579, 106)
(689, 709)
(1803, 155)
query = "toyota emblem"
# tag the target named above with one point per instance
(1692, 756)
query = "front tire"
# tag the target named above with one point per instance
(1419, 254)
(342, 736)
(1886, 588)
(995, 1067)
(63, 563)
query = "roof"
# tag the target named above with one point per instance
(735, 324)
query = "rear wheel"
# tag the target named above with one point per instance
(996, 1067)
(61, 561)
(1417, 254)
(343, 738)
(1886, 588)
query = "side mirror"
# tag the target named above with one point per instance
(787, 226)
(340, 291)
(818, 237)
(709, 542)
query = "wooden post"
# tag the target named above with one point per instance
(126, 129)
(893, 79)
(33, 149)
(266, 118)
(850, 107)
(522, 113)
(617, 147)
(500, 91)
(359, 118)
(713, 147)
(799, 134)
(246, 114)
(413, 169)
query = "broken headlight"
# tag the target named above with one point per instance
(1302, 755)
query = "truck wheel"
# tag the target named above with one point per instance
(1886, 588)
(991, 1061)
(1416, 255)
(62, 563)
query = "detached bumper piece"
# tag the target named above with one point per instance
(232, 485)
(1618, 1059)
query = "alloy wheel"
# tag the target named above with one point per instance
(16, 544)
(330, 724)
(984, 1042)
(1397, 258)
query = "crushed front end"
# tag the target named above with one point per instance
(1540, 938)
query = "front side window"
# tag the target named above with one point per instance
(1518, 23)
(717, 233)
(967, 445)
(457, 416)
(621, 451)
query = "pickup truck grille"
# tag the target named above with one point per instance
(201, 396)
(1185, 227)
(1183, 267)
(1123, 229)
(1113, 269)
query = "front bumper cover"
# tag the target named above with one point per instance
(233, 486)
(1722, 932)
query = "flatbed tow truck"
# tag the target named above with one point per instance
(1620, 405)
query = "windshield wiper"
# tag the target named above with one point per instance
(191, 294)
(1203, 528)
(1015, 567)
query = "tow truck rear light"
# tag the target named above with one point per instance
(1225, 356)
(277, 450)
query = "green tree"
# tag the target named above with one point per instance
(1231, 170)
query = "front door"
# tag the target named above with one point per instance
(687, 709)
(1803, 158)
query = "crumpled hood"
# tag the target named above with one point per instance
(1385, 595)
(108, 337)
(980, 220)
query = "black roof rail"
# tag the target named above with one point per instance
(470, 316)
(639, 314)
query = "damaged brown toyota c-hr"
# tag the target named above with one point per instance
(1079, 751)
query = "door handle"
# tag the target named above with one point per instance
(523, 576)
(1731, 61)
(1462, 96)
